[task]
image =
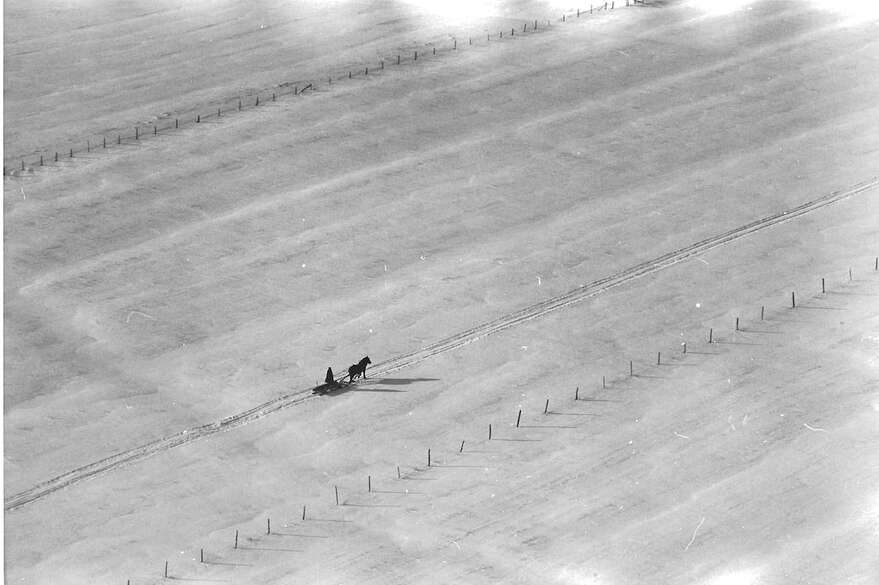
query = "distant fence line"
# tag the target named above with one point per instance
(98, 142)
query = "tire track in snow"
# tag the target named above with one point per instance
(448, 344)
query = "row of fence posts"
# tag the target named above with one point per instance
(296, 91)
(546, 411)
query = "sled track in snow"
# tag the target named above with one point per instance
(450, 343)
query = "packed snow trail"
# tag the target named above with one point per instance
(449, 343)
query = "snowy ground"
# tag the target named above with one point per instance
(179, 280)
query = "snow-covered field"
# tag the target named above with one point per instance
(176, 281)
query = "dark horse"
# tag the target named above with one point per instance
(358, 369)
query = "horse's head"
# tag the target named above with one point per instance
(365, 360)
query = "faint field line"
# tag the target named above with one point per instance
(448, 344)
